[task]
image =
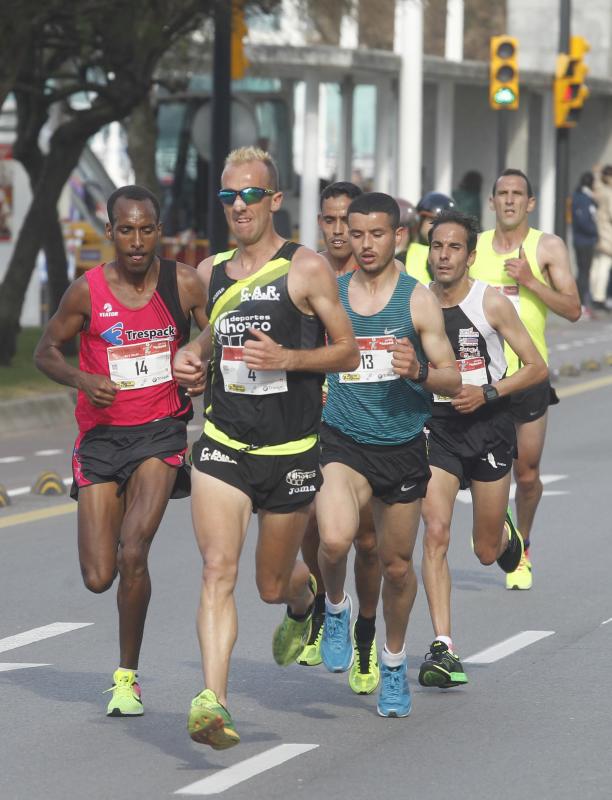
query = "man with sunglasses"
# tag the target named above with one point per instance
(270, 302)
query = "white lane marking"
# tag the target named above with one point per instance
(11, 459)
(605, 622)
(9, 667)
(507, 647)
(465, 496)
(48, 452)
(37, 634)
(226, 778)
(27, 489)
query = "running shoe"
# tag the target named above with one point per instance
(211, 723)
(512, 555)
(337, 643)
(521, 578)
(126, 700)
(394, 699)
(292, 634)
(364, 676)
(441, 668)
(311, 654)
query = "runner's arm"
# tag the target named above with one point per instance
(502, 316)
(562, 294)
(190, 362)
(314, 289)
(443, 377)
(67, 322)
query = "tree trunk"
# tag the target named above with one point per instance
(58, 164)
(142, 140)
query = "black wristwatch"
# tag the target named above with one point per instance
(490, 393)
(422, 373)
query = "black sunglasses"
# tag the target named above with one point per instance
(250, 195)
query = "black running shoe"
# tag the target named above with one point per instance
(441, 668)
(511, 557)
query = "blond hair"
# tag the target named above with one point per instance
(245, 155)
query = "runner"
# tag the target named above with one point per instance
(372, 442)
(471, 438)
(131, 314)
(364, 674)
(533, 270)
(270, 302)
(428, 207)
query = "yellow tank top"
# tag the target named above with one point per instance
(416, 263)
(489, 267)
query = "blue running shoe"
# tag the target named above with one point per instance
(337, 642)
(394, 699)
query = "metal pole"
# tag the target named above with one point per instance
(220, 124)
(502, 139)
(563, 141)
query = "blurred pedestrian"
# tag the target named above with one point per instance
(602, 262)
(584, 230)
(467, 195)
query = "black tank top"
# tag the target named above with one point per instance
(251, 408)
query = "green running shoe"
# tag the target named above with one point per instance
(311, 654)
(126, 700)
(292, 634)
(211, 723)
(364, 675)
(441, 668)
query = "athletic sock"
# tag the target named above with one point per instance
(365, 630)
(336, 608)
(393, 660)
(319, 605)
(447, 641)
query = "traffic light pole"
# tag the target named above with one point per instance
(220, 125)
(563, 141)
(502, 140)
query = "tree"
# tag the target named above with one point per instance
(95, 61)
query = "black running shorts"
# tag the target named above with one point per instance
(113, 452)
(274, 483)
(396, 473)
(532, 403)
(481, 450)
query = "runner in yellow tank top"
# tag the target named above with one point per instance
(533, 269)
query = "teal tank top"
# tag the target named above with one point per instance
(371, 405)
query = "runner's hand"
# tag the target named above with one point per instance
(99, 389)
(468, 400)
(262, 353)
(518, 269)
(189, 372)
(404, 362)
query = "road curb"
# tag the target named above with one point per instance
(36, 413)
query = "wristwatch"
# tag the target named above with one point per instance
(490, 393)
(422, 373)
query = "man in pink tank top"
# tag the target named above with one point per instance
(132, 314)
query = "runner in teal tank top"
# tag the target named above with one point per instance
(373, 405)
(372, 442)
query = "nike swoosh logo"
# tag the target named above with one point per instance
(407, 488)
(389, 331)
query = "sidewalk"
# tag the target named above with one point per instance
(36, 412)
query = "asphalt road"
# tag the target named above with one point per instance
(534, 721)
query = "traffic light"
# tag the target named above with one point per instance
(569, 89)
(239, 61)
(503, 73)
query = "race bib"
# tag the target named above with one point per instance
(239, 379)
(375, 362)
(473, 373)
(136, 366)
